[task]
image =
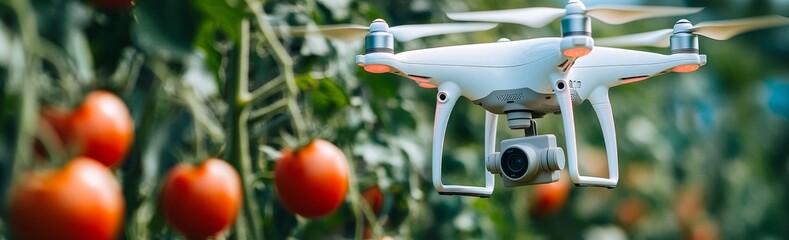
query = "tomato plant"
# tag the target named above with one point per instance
(81, 201)
(102, 128)
(230, 78)
(549, 198)
(313, 180)
(201, 201)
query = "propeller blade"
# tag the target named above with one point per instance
(659, 38)
(541, 16)
(533, 17)
(343, 32)
(718, 30)
(722, 30)
(351, 32)
(410, 32)
(625, 14)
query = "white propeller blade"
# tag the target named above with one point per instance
(625, 14)
(718, 30)
(351, 32)
(533, 17)
(541, 16)
(410, 32)
(344, 32)
(722, 30)
(659, 38)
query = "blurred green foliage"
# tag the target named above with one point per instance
(700, 153)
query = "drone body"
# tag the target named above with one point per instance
(515, 78)
(479, 70)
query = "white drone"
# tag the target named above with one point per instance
(527, 79)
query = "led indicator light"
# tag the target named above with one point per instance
(685, 68)
(576, 52)
(427, 85)
(377, 68)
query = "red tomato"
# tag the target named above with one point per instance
(312, 181)
(689, 205)
(630, 211)
(54, 125)
(705, 230)
(102, 128)
(80, 201)
(374, 198)
(549, 198)
(201, 201)
(113, 4)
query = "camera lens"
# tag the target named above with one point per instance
(514, 163)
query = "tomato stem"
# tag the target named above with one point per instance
(262, 113)
(267, 89)
(285, 63)
(247, 226)
(138, 184)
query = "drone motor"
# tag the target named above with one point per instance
(682, 39)
(577, 28)
(379, 39)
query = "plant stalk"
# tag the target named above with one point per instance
(238, 99)
(286, 69)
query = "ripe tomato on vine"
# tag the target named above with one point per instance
(102, 128)
(80, 201)
(201, 201)
(312, 181)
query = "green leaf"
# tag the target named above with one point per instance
(226, 15)
(205, 42)
(166, 27)
(306, 82)
(328, 98)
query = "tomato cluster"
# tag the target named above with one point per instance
(83, 200)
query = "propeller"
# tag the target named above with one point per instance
(718, 30)
(351, 32)
(541, 16)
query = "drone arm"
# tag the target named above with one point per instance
(448, 94)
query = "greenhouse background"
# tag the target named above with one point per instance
(702, 155)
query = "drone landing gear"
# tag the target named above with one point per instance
(467, 194)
